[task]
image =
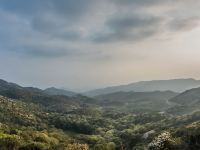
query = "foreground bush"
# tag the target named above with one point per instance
(9, 142)
(77, 146)
(165, 142)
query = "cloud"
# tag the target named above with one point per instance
(129, 28)
(55, 28)
(44, 51)
(75, 27)
(62, 7)
(23, 7)
(137, 2)
(154, 3)
(184, 24)
(137, 20)
(69, 8)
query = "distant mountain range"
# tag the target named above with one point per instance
(4, 86)
(144, 96)
(52, 98)
(176, 85)
(55, 91)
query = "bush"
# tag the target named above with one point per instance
(77, 146)
(34, 146)
(9, 142)
(165, 142)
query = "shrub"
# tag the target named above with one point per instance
(77, 146)
(9, 142)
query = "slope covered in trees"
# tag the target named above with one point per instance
(33, 120)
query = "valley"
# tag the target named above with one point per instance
(34, 119)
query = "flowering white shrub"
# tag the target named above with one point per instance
(160, 142)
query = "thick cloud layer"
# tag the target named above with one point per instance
(90, 22)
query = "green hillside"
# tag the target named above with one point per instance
(33, 120)
(137, 101)
(187, 102)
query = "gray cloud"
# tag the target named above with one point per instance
(75, 8)
(44, 51)
(24, 7)
(136, 20)
(157, 3)
(81, 23)
(62, 7)
(137, 2)
(56, 19)
(129, 28)
(184, 24)
(55, 28)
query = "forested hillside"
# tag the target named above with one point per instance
(137, 102)
(33, 120)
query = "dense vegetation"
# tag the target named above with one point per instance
(33, 120)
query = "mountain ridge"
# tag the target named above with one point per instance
(176, 85)
(137, 101)
(56, 91)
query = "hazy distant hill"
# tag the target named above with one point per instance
(176, 85)
(188, 102)
(137, 101)
(55, 91)
(15, 91)
(188, 97)
(38, 96)
(4, 85)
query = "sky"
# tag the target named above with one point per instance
(87, 44)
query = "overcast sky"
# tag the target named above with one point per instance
(86, 44)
